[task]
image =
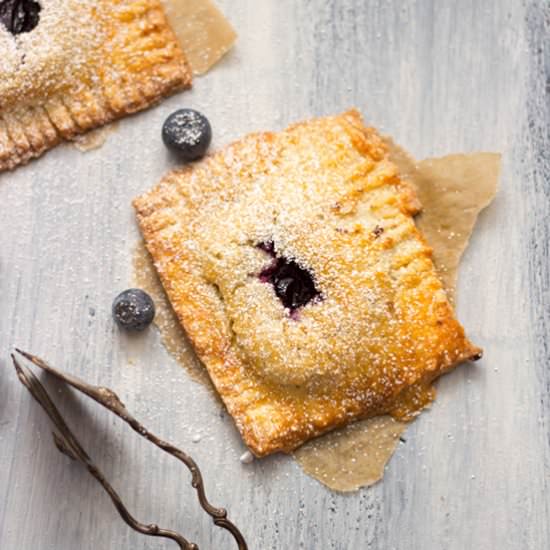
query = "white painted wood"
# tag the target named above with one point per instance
(439, 75)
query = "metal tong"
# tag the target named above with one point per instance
(67, 443)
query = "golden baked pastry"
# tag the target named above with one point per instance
(294, 264)
(71, 65)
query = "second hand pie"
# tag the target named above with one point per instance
(295, 267)
(68, 66)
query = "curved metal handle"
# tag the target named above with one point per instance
(67, 443)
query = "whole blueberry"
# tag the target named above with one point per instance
(187, 133)
(133, 309)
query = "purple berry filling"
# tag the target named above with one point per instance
(292, 284)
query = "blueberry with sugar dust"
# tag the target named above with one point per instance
(187, 133)
(133, 310)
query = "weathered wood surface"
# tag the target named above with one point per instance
(441, 77)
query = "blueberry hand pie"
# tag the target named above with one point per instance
(67, 66)
(294, 264)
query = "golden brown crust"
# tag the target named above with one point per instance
(326, 194)
(134, 62)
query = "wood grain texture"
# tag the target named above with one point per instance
(474, 472)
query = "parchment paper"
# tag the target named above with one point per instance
(453, 190)
(204, 33)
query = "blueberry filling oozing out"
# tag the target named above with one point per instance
(292, 284)
(19, 16)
